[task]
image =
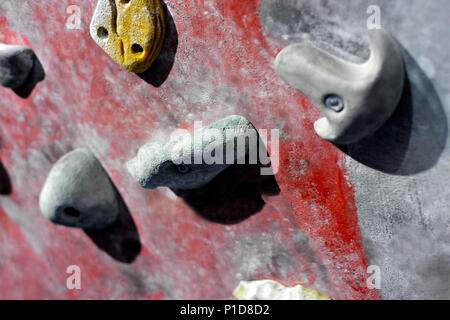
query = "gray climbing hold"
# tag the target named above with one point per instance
(79, 193)
(356, 100)
(16, 63)
(193, 160)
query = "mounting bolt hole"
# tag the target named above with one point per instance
(72, 212)
(334, 103)
(135, 48)
(183, 169)
(102, 33)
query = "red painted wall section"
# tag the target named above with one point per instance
(308, 234)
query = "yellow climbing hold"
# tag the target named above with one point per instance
(131, 31)
(272, 290)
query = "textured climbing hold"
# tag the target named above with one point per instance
(131, 31)
(16, 63)
(79, 193)
(272, 290)
(193, 160)
(356, 100)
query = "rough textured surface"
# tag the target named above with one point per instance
(16, 63)
(369, 92)
(401, 173)
(181, 164)
(131, 32)
(272, 290)
(223, 65)
(78, 193)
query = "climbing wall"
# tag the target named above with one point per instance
(383, 201)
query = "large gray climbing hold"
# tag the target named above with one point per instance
(16, 63)
(356, 100)
(79, 193)
(184, 163)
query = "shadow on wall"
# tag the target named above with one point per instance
(5, 181)
(37, 74)
(160, 70)
(121, 240)
(234, 195)
(414, 137)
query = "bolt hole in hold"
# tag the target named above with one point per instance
(183, 169)
(102, 33)
(334, 103)
(72, 212)
(125, 1)
(135, 48)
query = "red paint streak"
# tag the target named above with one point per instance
(224, 51)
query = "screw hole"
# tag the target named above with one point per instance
(183, 169)
(72, 212)
(135, 48)
(102, 33)
(334, 103)
(125, 1)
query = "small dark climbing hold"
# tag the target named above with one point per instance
(16, 63)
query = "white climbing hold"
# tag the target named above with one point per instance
(272, 290)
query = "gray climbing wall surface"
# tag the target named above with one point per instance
(401, 175)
